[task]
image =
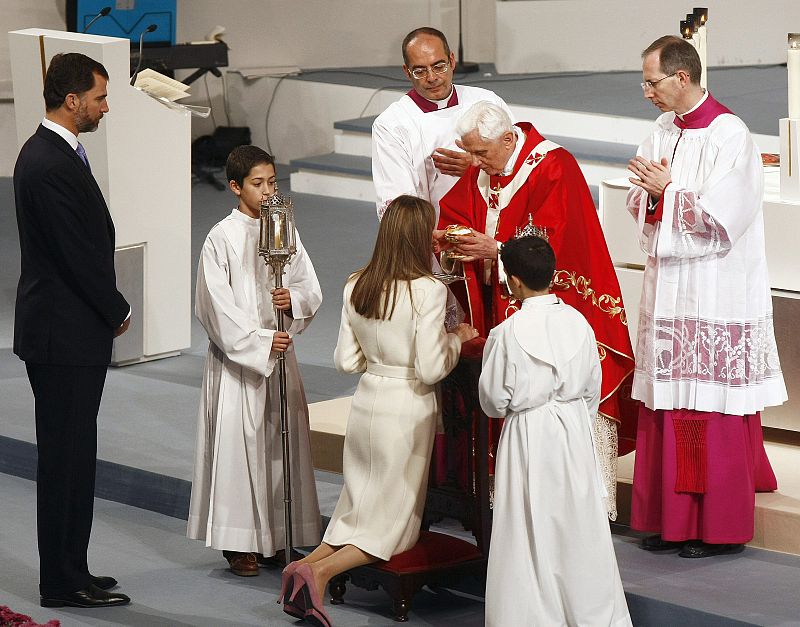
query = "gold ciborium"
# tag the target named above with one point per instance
(452, 233)
(450, 260)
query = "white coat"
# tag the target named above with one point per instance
(392, 423)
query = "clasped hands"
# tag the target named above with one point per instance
(475, 246)
(282, 301)
(652, 176)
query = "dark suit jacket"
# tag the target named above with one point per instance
(67, 300)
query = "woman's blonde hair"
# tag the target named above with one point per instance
(402, 253)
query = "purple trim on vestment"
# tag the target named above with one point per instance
(427, 106)
(704, 115)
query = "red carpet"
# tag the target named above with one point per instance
(9, 618)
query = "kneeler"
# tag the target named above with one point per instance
(458, 488)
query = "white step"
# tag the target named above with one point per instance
(333, 185)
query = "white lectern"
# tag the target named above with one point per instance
(141, 159)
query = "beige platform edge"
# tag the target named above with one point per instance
(777, 519)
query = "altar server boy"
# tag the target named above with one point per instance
(551, 560)
(237, 491)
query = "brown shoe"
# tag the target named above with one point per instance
(242, 564)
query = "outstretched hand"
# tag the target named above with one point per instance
(465, 332)
(438, 242)
(451, 162)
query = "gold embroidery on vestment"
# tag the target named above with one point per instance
(563, 279)
(512, 307)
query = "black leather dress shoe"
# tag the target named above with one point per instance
(104, 583)
(702, 549)
(92, 596)
(657, 543)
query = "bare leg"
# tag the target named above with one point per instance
(320, 553)
(340, 560)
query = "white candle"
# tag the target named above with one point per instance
(793, 67)
(702, 49)
(277, 219)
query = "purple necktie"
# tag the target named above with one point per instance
(82, 154)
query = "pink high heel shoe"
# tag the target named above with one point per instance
(286, 578)
(306, 587)
(292, 605)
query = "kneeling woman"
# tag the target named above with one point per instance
(392, 329)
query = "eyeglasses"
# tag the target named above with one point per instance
(439, 68)
(652, 84)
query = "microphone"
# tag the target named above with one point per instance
(149, 29)
(103, 12)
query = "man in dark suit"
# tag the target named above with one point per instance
(68, 311)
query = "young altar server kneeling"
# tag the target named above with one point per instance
(551, 560)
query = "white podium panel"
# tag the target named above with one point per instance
(781, 225)
(141, 158)
(618, 225)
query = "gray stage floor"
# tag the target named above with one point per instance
(176, 581)
(756, 94)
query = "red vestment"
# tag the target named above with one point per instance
(557, 198)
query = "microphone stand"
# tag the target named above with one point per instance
(103, 12)
(463, 67)
(149, 29)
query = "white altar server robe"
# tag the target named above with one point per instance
(551, 560)
(237, 490)
(706, 340)
(403, 139)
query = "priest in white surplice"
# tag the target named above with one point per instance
(551, 558)
(414, 140)
(237, 491)
(706, 359)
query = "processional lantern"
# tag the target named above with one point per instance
(277, 245)
(276, 242)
